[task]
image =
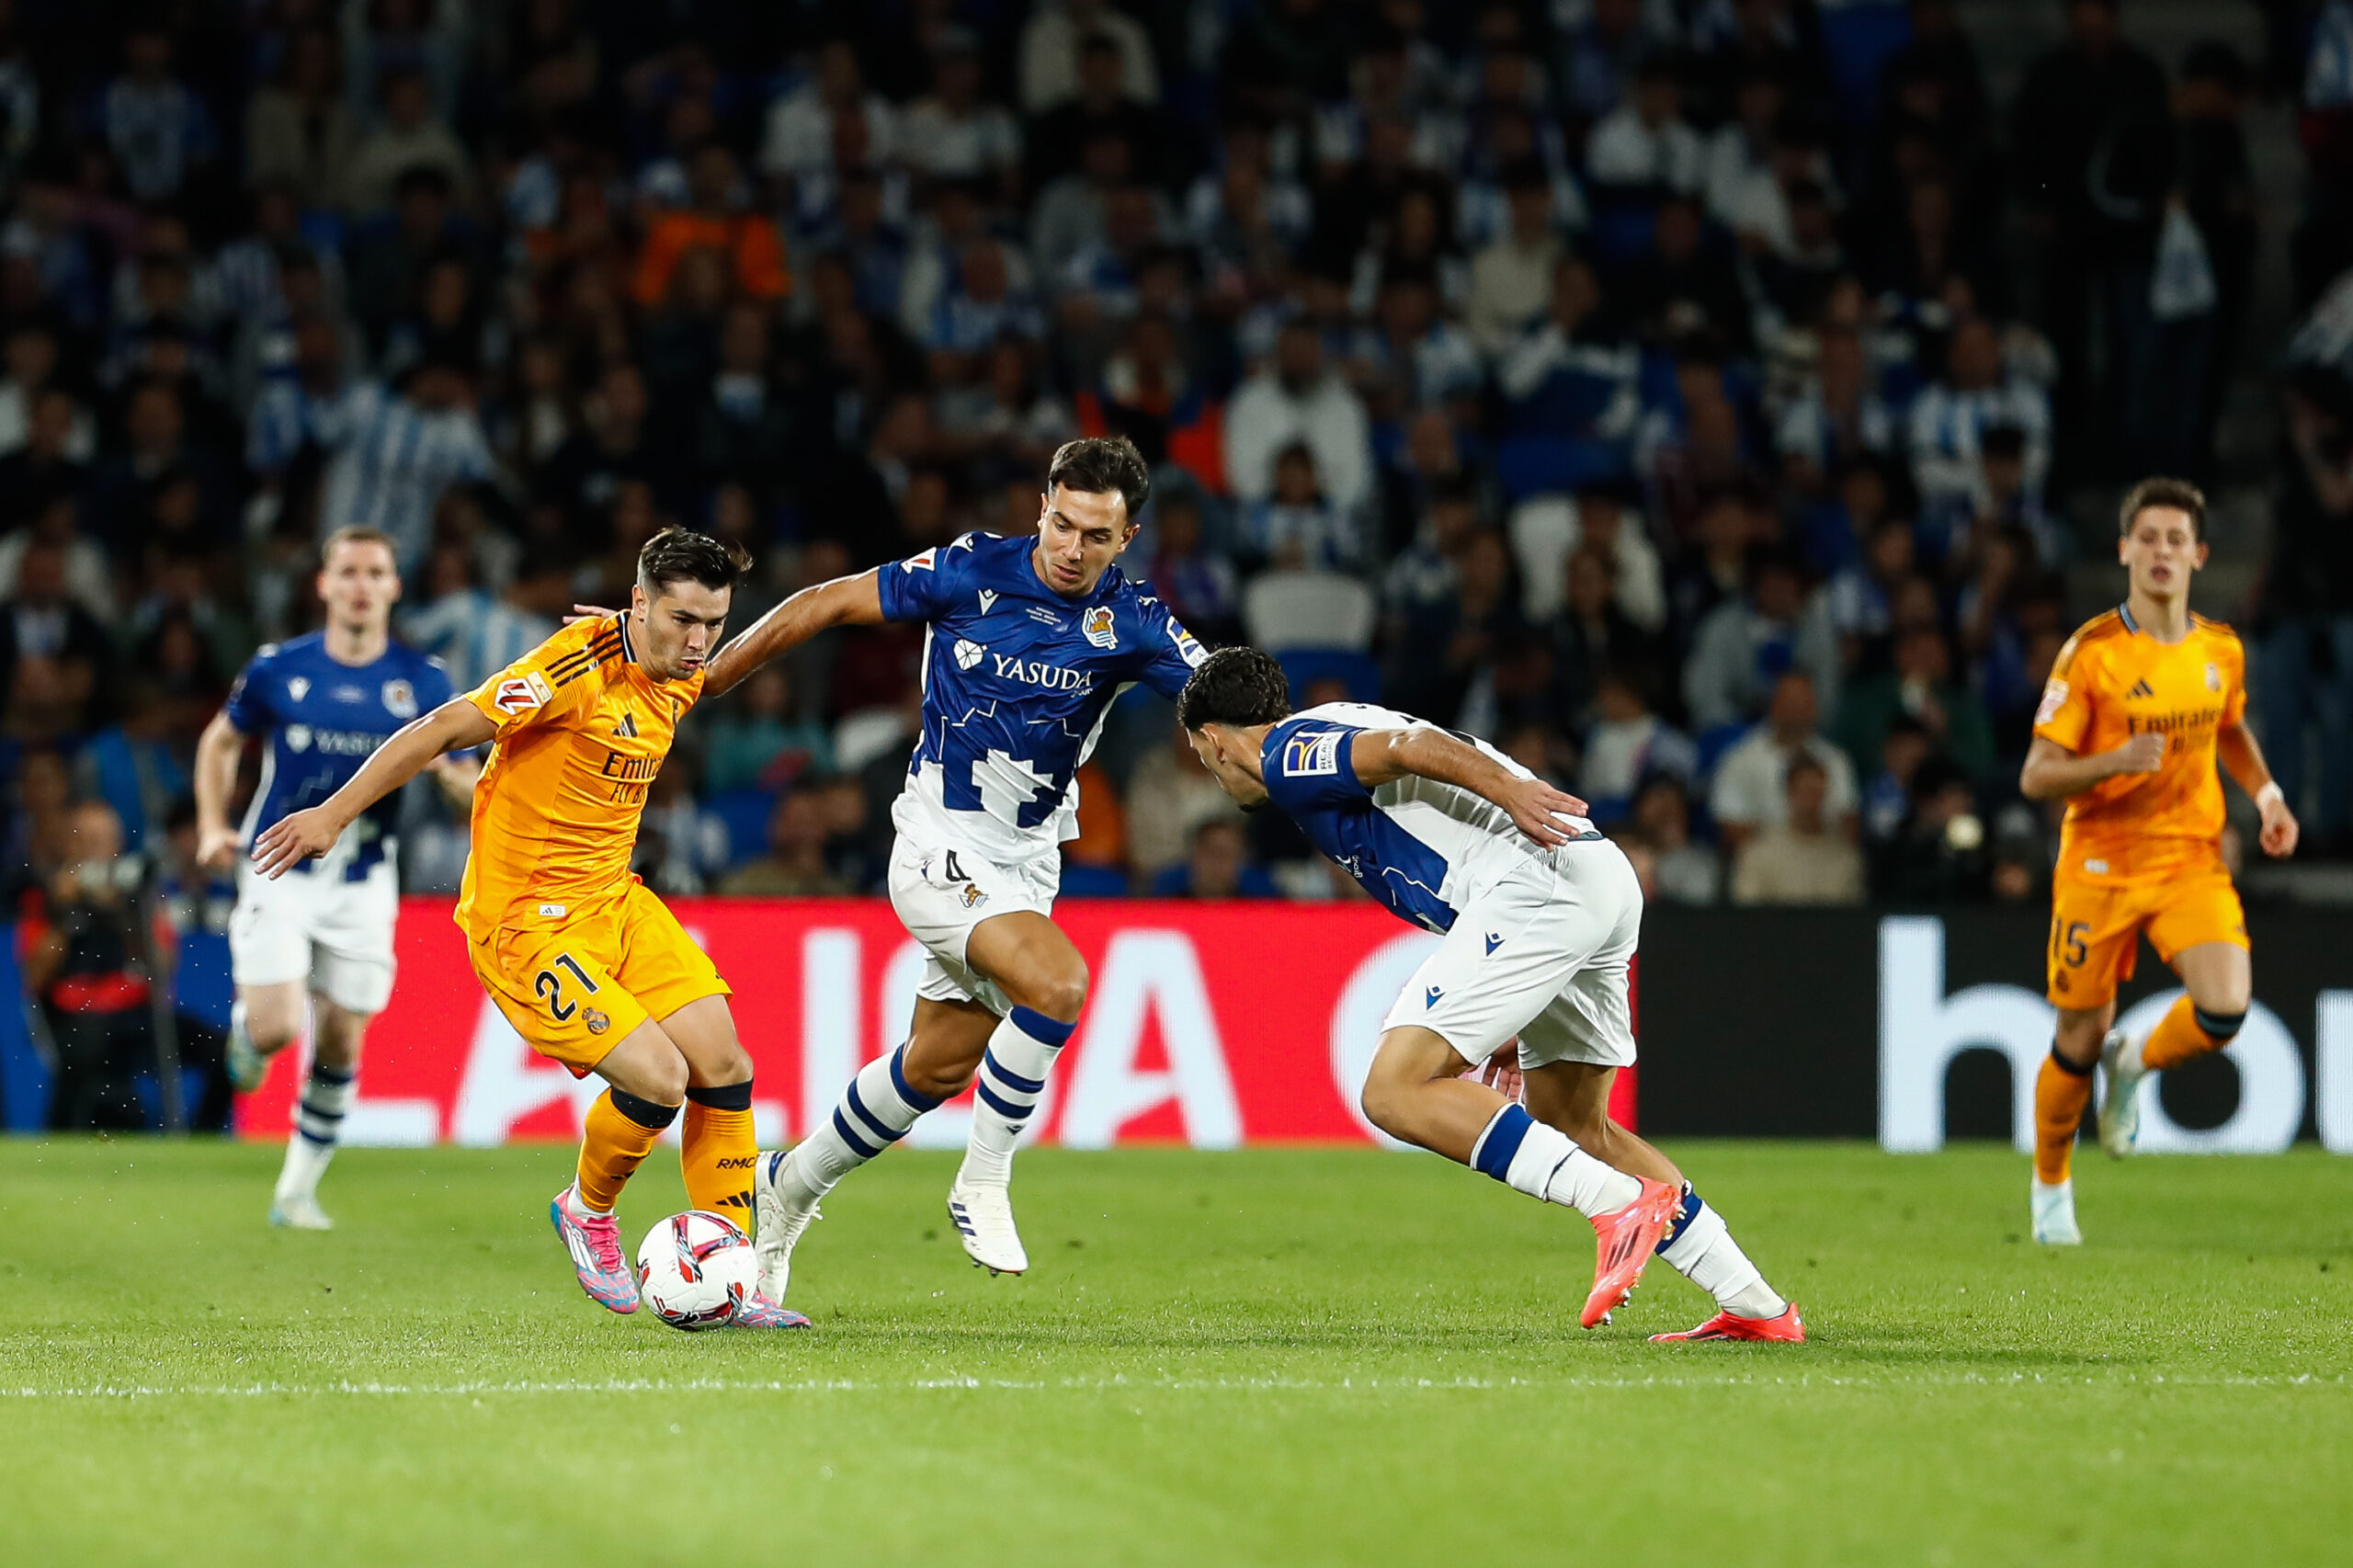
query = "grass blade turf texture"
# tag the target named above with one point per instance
(1291, 1356)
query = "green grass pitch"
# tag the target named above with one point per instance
(1294, 1357)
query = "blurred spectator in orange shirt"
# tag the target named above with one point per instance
(715, 220)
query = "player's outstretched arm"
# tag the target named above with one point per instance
(844, 601)
(217, 752)
(1381, 756)
(2242, 758)
(305, 835)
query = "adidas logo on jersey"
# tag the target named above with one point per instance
(2140, 689)
(627, 725)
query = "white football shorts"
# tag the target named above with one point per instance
(1544, 953)
(315, 926)
(941, 890)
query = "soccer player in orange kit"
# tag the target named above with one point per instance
(588, 965)
(2141, 703)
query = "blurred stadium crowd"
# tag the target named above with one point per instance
(1688, 395)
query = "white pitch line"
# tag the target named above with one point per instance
(1173, 1385)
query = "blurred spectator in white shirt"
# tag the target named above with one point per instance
(1749, 792)
(1805, 858)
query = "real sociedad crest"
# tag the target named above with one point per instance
(1099, 628)
(400, 699)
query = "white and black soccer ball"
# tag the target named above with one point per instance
(694, 1269)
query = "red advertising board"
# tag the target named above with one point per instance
(1214, 1025)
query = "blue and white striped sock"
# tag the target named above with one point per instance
(876, 1111)
(318, 1128)
(1012, 1076)
(1528, 1156)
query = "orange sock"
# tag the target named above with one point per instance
(620, 1131)
(2060, 1093)
(719, 1149)
(2179, 1036)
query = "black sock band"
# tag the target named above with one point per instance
(645, 1113)
(2069, 1067)
(2217, 1026)
(725, 1097)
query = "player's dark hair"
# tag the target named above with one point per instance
(1234, 685)
(682, 555)
(1100, 464)
(2179, 494)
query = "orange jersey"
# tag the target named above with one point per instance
(582, 732)
(2113, 681)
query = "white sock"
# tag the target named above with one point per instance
(1013, 1074)
(1700, 1248)
(579, 1205)
(1541, 1160)
(876, 1111)
(318, 1128)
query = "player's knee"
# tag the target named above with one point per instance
(272, 1032)
(1388, 1101)
(1062, 995)
(663, 1078)
(729, 1064)
(1382, 1104)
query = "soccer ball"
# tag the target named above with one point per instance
(694, 1269)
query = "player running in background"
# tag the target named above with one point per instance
(2142, 701)
(1541, 916)
(1027, 643)
(588, 965)
(322, 704)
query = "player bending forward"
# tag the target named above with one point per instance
(2142, 701)
(1541, 915)
(324, 702)
(1026, 640)
(591, 968)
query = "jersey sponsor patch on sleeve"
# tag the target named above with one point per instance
(521, 694)
(1188, 648)
(2054, 698)
(1312, 755)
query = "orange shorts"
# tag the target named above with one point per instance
(573, 990)
(2095, 929)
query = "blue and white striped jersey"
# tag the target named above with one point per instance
(323, 720)
(1016, 681)
(1415, 844)
(393, 462)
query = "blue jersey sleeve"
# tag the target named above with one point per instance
(433, 685)
(1310, 766)
(248, 706)
(922, 587)
(1170, 653)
